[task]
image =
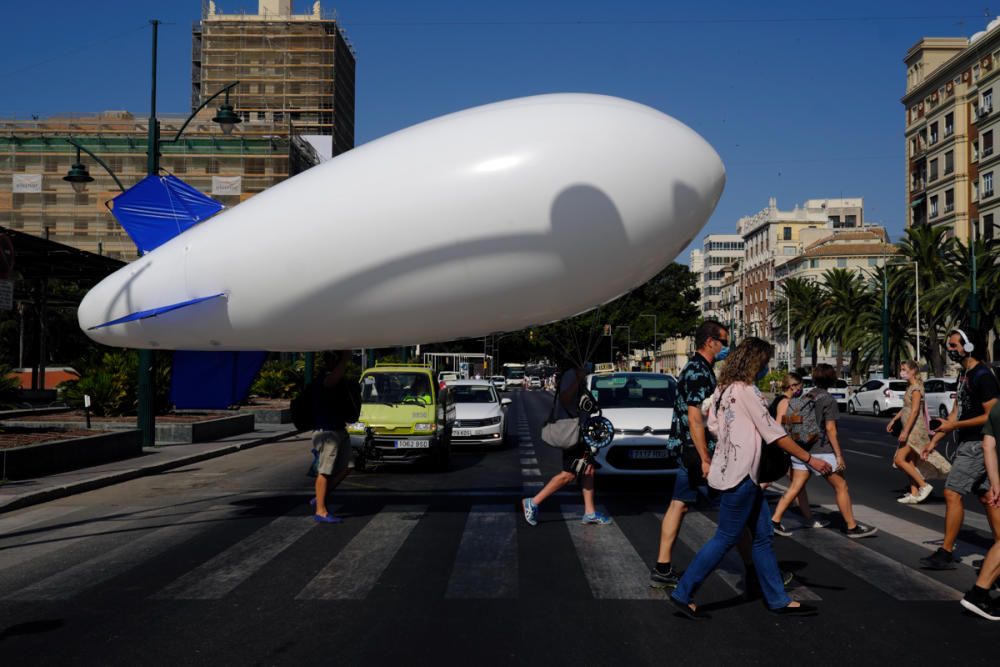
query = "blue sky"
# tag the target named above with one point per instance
(800, 99)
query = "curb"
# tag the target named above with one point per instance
(110, 479)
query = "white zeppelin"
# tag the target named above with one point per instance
(491, 219)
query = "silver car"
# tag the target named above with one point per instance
(878, 396)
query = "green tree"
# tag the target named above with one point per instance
(802, 297)
(843, 290)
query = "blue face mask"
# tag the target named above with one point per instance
(723, 353)
(762, 374)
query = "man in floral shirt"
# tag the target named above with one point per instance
(690, 441)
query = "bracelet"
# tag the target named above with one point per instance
(809, 459)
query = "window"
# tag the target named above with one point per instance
(211, 166)
(851, 220)
(949, 200)
(987, 225)
(841, 262)
(873, 261)
(975, 150)
(786, 234)
(987, 143)
(254, 165)
(934, 170)
(975, 190)
(51, 163)
(987, 101)
(788, 250)
(834, 220)
(949, 124)
(949, 162)
(179, 166)
(934, 206)
(988, 184)
(934, 132)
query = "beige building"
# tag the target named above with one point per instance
(718, 252)
(296, 71)
(772, 237)
(862, 250)
(952, 131)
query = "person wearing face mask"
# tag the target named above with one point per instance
(792, 387)
(913, 438)
(825, 448)
(977, 394)
(738, 416)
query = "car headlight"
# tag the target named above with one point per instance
(357, 426)
(492, 421)
(423, 428)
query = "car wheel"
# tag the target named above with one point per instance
(851, 410)
(943, 412)
(876, 410)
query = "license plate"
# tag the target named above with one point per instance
(647, 454)
(412, 444)
(461, 432)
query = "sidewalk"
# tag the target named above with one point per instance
(25, 492)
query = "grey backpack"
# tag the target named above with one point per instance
(800, 421)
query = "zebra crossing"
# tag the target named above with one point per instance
(485, 565)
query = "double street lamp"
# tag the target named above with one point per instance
(79, 177)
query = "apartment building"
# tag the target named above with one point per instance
(772, 237)
(951, 132)
(718, 252)
(696, 264)
(861, 250)
(296, 71)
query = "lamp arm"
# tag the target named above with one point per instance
(204, 104)
(99, 161)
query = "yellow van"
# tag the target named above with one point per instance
(404, 418)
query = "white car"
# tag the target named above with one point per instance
(534, 382)
(479, 413)
(499, 382)
(940, 396)
(641, 407)
(878, 396)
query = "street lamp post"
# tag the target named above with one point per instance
(654, 337)
(628, 333)
(78, 177)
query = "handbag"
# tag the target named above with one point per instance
(560, 433)
(774, 463)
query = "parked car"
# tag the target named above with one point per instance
(940, 395)
(499, 382)
(403, 419)
(446, 376)
(479, 413)
(841, 393)
(534, 382)
(878, 396)
(641, 407)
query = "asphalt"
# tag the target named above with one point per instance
(154, 460)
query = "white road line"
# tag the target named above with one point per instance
(486, 564)
(69, 582)
(12, 523)
(613, 568)
(910, 532)
(223, 573)
(860, 453)
(356, 569)
(531, 472)
(888, 575)
(977, 521)
(530, 461)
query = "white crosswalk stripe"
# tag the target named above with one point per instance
(486, 564)
(973, 519)
(34, 516)
(613, 567)
(353, 572)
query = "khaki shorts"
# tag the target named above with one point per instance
(968, 470)
(334, 449)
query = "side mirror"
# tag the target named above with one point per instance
(504, 402)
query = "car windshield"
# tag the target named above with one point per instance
(473, 393)
(498, 378)
(634, 391)
(897, 386)
(951, 386)
(515, 373)
(841, 384)
(390, 388)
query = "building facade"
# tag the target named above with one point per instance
(296, 71)
(718, 252)
(952, 128)
(772, 237)
(696, 264)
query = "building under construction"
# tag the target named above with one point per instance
(295, 70)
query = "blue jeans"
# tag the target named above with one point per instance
(741, 506)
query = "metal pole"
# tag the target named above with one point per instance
(885, 321)
(146, 388)
(974, 296)
(310, 361)
(788, 322)
(916, 281)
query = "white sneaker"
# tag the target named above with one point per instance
(924, 493)
(908, 499)
(819, 523)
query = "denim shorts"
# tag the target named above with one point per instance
(968, 470)
(687, 490)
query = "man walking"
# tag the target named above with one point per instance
(690, 441)
(330, 439)
(977, 599)
(977, 394)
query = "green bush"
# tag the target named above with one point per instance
(278, 379)
(112, 385)
(9, 386)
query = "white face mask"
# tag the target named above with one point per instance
(905, 375)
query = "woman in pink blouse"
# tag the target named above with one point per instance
(739, 419)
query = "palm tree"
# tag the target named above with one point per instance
(837, 318)
(803, 299)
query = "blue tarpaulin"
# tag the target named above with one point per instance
(214, 380)
(158, 208)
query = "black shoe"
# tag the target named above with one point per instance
(801, 610)
(687, 611)
(939, 560)
(977, 564)
(779, 529)
(986, 608)
(668, 580)
(752, 590)
(860, 530)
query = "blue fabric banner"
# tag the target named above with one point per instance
(213, 380)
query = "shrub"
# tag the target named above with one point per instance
(113, 385)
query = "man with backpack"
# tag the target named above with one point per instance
(811, 420)
(334, 405)
(977, 394)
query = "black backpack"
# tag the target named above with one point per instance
(347, 400)
(302, 409)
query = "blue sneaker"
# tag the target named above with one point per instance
(596, 518)
(530, 511)
(329, 518)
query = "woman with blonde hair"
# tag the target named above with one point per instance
(739, 418)
(913, 438)
(792, 387)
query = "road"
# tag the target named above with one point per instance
(219, 563)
